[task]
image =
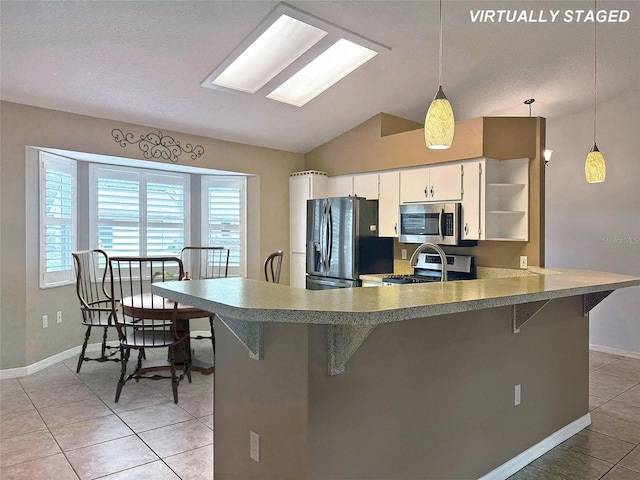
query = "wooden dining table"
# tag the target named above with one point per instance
(154, 307)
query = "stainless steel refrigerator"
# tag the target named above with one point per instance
(343, 242)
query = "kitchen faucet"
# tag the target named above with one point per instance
(443, 258)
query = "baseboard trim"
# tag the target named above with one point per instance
(525, 458)
(49, 361)
(58, 357)
(614, 351)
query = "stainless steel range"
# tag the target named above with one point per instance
(429, 269)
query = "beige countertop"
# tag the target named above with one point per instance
(258, 301)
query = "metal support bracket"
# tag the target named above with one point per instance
(590, 300)
(344, 340)
(521, 313)
(249, 333)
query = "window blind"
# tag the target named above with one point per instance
(224, 218)
(138, 212)
(57, 219)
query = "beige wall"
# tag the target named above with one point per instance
(597, 226)
(268, 397)
(22, 302)
(424, 398)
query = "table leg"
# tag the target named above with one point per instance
(182, 327)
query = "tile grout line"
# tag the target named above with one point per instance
(613, 465)
(117, 414)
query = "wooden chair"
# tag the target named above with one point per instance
(272, 274)
(205, 263)
(95, 303)
(146, 321)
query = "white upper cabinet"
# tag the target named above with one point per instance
(446, 182)
(366, 186)
(341, 186)
(438, 183)
(472, 191)
(388, 203)
(495, 204)
(414, 185)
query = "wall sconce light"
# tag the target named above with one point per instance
(529, 102)
(548, 152)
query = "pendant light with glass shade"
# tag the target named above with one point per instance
(595, 169)
(439, 125)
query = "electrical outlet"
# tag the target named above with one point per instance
(59, 316)
(516, 400)
(45, 321)
(523, 261)
(254, 447)
(404, 254)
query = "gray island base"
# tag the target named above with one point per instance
(427, 389)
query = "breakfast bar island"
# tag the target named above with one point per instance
(454, 380)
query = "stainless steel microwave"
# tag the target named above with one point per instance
(430, 222)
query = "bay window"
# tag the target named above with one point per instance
(131, 211)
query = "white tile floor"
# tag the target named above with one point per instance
(58, 425)
(55, 424)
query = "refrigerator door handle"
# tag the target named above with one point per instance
(329, 244)
(322, 235)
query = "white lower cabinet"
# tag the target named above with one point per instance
(495, 203)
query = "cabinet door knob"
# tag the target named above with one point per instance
(466, 228)
(395, 228)
(432, 191)
(426, 192)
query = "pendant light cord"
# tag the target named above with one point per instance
(595, 70)
(440, 51)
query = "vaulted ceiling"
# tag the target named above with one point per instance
(143, 62)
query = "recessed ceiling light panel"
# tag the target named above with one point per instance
(273, 51)
(281, 56)
(335, 63)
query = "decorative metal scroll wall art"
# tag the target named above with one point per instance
(157, 145)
